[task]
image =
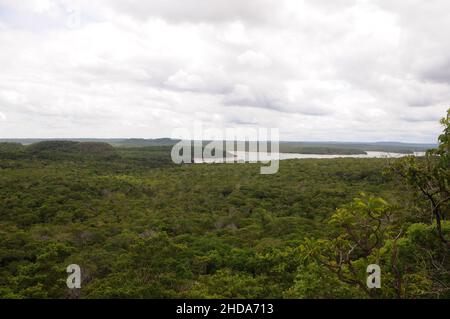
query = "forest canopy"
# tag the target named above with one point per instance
(141, 227)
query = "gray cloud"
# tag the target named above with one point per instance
(440, 72)
(255, 11)
(347, 69)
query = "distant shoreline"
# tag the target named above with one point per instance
(305, 148)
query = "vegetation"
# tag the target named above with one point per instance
(141, 227)
(412, 251)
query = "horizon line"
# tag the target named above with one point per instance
(175, 139)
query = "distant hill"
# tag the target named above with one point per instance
(141, 142)
(132, 142)
(11, 147)
(56, 150)
(332, 147)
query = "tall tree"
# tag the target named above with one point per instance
(431, 176)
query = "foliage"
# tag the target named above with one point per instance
(430, 176)
(141, 227)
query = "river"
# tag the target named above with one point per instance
(253, 157)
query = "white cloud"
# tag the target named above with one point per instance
(254, 59)
(183, 80)
(195, 10)
(341, 70)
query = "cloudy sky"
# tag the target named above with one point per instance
(347, 70)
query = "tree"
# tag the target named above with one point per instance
(362, 228)
(369, 231)
(431, 176)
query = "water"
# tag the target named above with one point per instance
(253, 157)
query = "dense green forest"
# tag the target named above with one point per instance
(142, 227)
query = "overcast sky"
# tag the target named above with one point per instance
(343, 70)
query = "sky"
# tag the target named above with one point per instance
(336, 70)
